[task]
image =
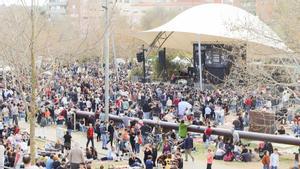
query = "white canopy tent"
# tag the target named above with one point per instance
(178, 60)
(218, 24)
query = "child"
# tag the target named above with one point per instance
(210, 158)
(149, 163)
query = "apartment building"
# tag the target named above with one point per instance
(57, 7)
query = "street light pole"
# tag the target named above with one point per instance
(200, 66)
(106, 55)
(144, 65)
(116, 66)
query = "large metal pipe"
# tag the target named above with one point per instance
(217, 131)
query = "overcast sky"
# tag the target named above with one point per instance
(12, 2)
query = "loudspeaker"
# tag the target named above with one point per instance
(162, 57)
(140, 56)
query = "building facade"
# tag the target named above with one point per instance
(57, 7)
(136, 9)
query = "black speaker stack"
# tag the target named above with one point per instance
(162, 58)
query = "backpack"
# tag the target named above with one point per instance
(140, 140)
(229, 157)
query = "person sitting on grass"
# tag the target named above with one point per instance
(111, 155)
(134, 161)
(149, 163)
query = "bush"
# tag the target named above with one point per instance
(172, 68)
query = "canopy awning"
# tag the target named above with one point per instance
(217, 23)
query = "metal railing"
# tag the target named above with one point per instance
(216, 131)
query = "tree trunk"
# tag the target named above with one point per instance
(33, 87)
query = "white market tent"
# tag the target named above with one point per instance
(218, 24)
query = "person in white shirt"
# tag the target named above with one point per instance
(219, 154)
(88, 105)
(15, 113)
(220, 114)
(169, 102)
(5, 114)
(64, 100)
(207, 112)
(274, 159)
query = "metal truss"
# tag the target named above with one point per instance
(159, 40)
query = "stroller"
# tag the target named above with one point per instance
(124, 147)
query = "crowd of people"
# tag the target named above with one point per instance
(80, 87)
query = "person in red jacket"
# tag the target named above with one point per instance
(248, 103)
(208, 131)
(90, 135)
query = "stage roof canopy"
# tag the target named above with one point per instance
(216, 23)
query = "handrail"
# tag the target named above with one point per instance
(216, 131)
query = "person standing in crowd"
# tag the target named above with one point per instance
(210, 158)
(97, 130)
(207, 132)
(147, 153)
(182, 129)
(138, 142)
(5, 114)
(18, 157)
(103, 132)
(67, 142)
(15, 114)
(76, 157)
(146, 109)
(111, 131)
(266, 160)
(188, 147)
(296, 161)
(132, 139)
(274, 159)
(90, 135)
(296, 129)
(207, 111)
(166, 147)
(70, 125)
(154, 154)
(1, 128)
